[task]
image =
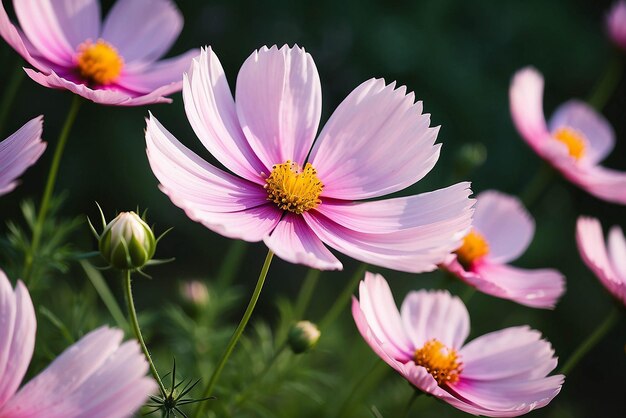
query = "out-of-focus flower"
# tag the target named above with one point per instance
(97, 377)
(575, 140)
(113, 62)
(296, 194)
(501, 231)
(607, 261)
(127, 242)
(500, 374)
(616, 24)
(303, 336)
(20, 151)
(195, 292)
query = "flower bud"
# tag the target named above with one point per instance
(303, 336)
(127, 242)
(195, 292)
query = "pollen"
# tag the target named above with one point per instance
(573, 140)
(99, 62)
(440, 361)
(294, 188)
(474, 247)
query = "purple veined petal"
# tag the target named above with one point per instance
(604, 183)
(19, 151)
(17, 336)
(142, 30)
(376, 142)
(435, 315)
(513, 353)
(210, 108)
(540, 288)
(526, 102)
(382, 316)
(617, 250)
(598, 133)
(506, 225)
(279, 103)
(293, 241)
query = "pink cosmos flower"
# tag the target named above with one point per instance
(20, 151)
(576, 139)
(616, 24)
(500, 374)
(501, 232)
(295, 193)
(607, 261)
(94, 378)
(113, 63)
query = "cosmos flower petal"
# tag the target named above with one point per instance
(279, 103)
(428, 315)
(601, 182)
(139, 38)
(17, 336)
(598, 133)
(19, 151)
(506, 225)
(210, 108)
(616, 23)
(375, 143)
(617, 250)
(526, 101)
(293, 241)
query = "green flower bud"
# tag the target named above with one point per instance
(303, 336)
(127, 242)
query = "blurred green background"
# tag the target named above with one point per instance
(458, 57)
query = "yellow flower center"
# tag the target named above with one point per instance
(474, 247)
(440, 361)
(100, 63)
(573, 140)
(294, 188)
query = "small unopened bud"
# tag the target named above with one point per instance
(127, 242)
(195, 292)
(303, 336)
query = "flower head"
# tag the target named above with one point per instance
(607, 261)
(616, 24)
(500, 374)
(127, 242)
(303, 336)
(113, 62)
(574, 142)
(97, 377)
(295, 192)
(20, 151)
(501, 231)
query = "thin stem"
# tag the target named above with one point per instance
(13, 86)
(231, 262)
(45, 200)
(595, 337)
(466, 296)
(535, 188)
(416, 394)
(306, 292)
(344, 297)
(605, 87)
(369, 379)
(132, 314)
(201, 408)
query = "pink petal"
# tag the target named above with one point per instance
(293, 241)
(375, 143)
(17, 336)
(211, 111)
(526, 101)
(603, 183)
(617, 250)
(279, 103)
(616, 23)
(435, 315)
(19, 151)
(505, 224)
(599, 135)
(535, 288)
(593, 252)
(401, 238)
(222, 202)
(142, 30)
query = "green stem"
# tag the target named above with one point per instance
(201, 408)
(365, 383)
(535, 188)
(231, 262)
(605, 87)
(45, 200)
(416, 394)
(132, 313)
(595, 337)
(467, 295)
(344, 298)
(13, 86)
(306, 292)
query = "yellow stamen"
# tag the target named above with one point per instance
(474, 247)
(99, 63)
(440, 361)
(294, 188)
(573, 140)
